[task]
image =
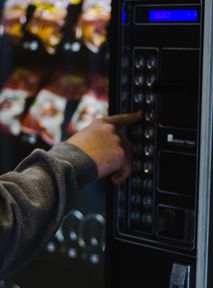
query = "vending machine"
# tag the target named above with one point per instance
(159, 221)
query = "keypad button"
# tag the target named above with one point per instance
(147, 201)
(136, 199)
(135, 216)
(137, 131)
(139, 80)
(137, 165)
(124, 96)
(148, 150)
(149, 133)
(149, 116)
(150, 80)
(122, 195)
(124, 102)
(150, 98)
(137, 149)
(124, 79)
(139, 97)
(121, 213)
(147, 219)
(125, 62)
(151, 62)
(148, 184)
(148, 167)
(139, 62)
(136, 182)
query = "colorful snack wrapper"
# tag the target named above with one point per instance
(67, 83)
(90, 108)
(46, 115)
(92, 24)
(22, 85)
(75, 2)
(47, 22)
(14, 17)
(104, 4)
(93, 105)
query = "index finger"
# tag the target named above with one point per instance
(123, 119)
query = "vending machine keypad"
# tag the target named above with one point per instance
(145, 75)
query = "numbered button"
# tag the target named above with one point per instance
(137, 149)
(135, 216)
(149, 133)
(137, 165)
(147, 219)
(125, 62)
(150, 98)
(124, 80)
(137, 131)
(139, 97)
(136, 199)
(149, 116)
(148, 167)
(151, 62)
(147, 201)
(136, 182)
(148, 184)
(139, 80)
(150, 80)
(139, 62)
(148, 150)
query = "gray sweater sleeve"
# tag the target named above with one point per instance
(35, 197)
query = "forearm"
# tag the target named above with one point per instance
(35, 198)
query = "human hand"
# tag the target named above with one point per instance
(111, 151)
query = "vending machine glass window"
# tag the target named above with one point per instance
(54, 82)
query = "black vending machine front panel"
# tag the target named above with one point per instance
(158, 59)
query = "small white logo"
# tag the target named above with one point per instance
(170, 137)
(172, 140)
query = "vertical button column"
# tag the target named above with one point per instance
(144, 98)
(124, 80)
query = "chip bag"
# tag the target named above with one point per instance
(14, 17)
(47, 113)
(22, 85)
(47, 22)
(91, 27)
(93, 105)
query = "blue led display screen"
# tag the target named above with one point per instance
(174, 15)
(124, 17)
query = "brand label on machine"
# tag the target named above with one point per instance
(171, 139)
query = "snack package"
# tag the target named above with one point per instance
(47, 22)
(22, 85)
(92, 24)
(75, 2)
(14, 17)
(93, 105)
(47, 113)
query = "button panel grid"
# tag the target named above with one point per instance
(145, 76)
